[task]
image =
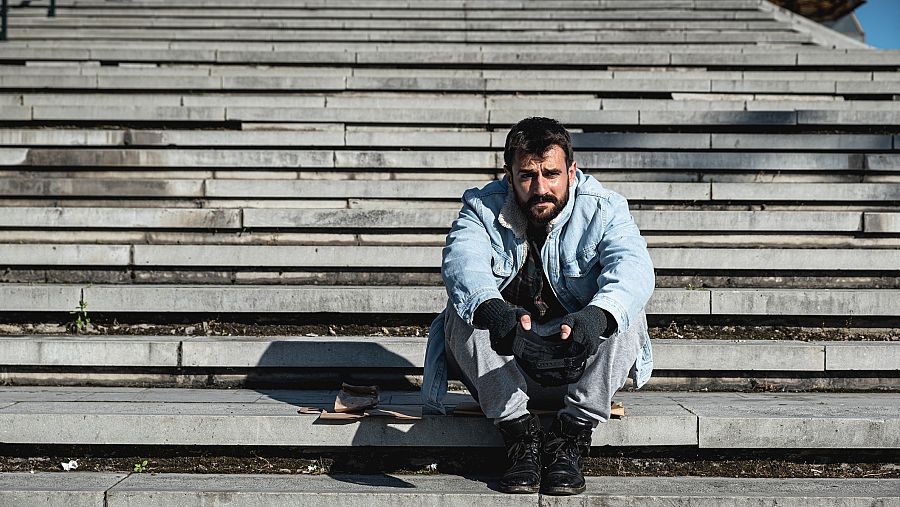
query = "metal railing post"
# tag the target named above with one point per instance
(4, 10)
(51, 12)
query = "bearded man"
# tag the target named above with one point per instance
(546, 250)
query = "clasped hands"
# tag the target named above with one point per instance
(500, 319)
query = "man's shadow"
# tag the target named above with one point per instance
(370, 432)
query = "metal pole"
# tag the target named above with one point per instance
(51, 12)
(4, 10)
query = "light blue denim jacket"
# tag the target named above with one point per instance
(594, 254)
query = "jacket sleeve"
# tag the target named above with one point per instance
(466, 266)
(627, 280)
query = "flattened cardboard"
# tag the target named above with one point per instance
(404, 413)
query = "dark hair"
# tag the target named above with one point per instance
(534, 136)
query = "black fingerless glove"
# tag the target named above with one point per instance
(500, 319)
(590, 327)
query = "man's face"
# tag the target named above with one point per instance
(541, 185)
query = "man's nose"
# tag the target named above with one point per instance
(541, 185)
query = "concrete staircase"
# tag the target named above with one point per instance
(301, 161)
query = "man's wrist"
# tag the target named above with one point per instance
(605, 322)
(488, 312)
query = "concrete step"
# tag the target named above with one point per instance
(646, 220)
(661, 82)
(614, 9)
(480, 92)
(272, 257)
(400, 219)
(611, 177)
(763, 113)
(399, 353)
(261, 237)
(394, 23)
(427, 159)
(144, 49)
(323, 134)
(331, 52)
(242, 417)
(593, 54)
(412, 35)
(418, 300)
(446, 190)
(113, 78)
(403, 219)
(115, 490)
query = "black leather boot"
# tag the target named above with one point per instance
(523, 440)
(564, 445)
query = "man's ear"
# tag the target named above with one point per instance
(572, 173)
(508, 171)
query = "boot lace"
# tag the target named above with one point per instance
(564, 446)
(530, 444)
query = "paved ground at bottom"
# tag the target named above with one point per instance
(75, 489)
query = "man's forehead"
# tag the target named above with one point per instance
(551, 158)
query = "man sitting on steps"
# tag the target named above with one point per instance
(546, 250)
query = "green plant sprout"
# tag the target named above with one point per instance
(82, 321)
(141, 467)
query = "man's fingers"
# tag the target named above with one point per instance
(564, 331)
(525, 321)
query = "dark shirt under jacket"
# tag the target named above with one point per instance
(530, 288)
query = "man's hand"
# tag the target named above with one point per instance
(500, 319)
(586, 327)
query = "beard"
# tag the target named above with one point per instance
(543, 216)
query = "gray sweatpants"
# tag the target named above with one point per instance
(505, 392)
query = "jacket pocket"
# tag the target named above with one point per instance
(501, 264)
(582, 264)
(580, 275)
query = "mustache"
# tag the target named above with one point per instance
(542, 198)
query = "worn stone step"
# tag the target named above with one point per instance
(328, 79)
(805, 192)
(115, 490)
(413, 30)
(616, 9)
(241, 417)
(408, 352)
(424, 257)
(762, 112)
(802, 141)
(323, 134)
(610, 177)
(888, 223)
(127, 218)
(427, 159)
(353, 189)
(886, 117)
(666, 55)
(420, 35)
(267, 299)
(646, 220)
(140, 298)
(261, 237)
(316, 21)
(422, 218)
(417, 257)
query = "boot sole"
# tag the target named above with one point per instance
(562, 491)
(520, 489)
